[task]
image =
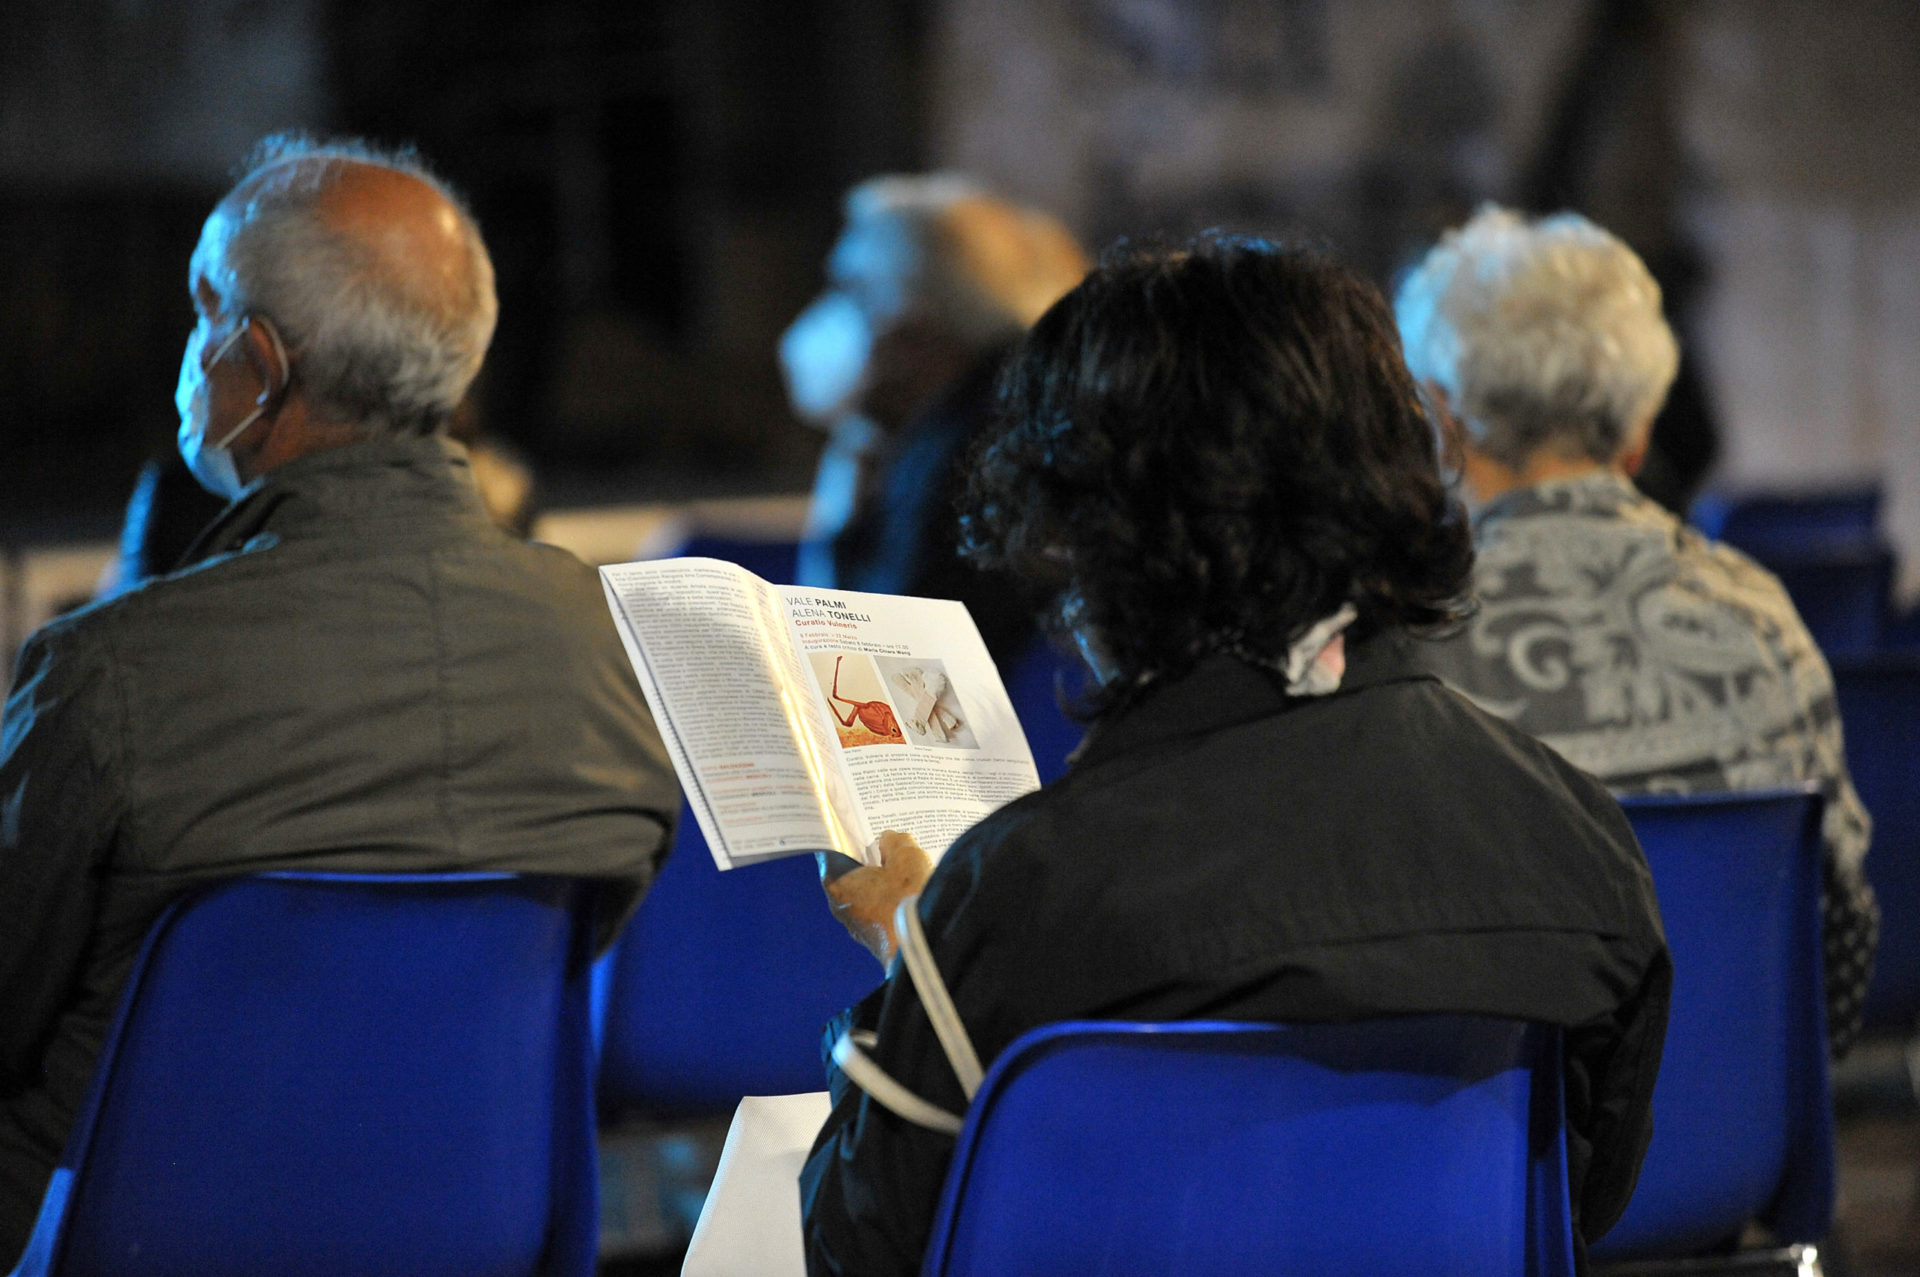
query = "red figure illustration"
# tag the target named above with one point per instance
(875, 716)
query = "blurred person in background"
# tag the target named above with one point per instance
(1215, 463)
(356, 671)
(1647, 655)
(509, 492)
(928, 286)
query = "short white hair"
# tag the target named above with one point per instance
(940, 245)
(1544, 334)
(374, 348)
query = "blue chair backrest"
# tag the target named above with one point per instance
(1843, 594)
(722, 985)
(325, 1074)
(1762, 522)
(1743, 1127)
(1431, 1144)
(1880, 712)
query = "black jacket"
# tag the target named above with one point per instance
(904, 535)
(1224, 851)
(360, 673)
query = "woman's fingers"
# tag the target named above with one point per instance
(904, 861)
(864, 898)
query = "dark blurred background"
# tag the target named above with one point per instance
(658, 183)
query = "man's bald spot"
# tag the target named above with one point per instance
(410, 235)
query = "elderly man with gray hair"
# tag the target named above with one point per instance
(931, 281)
(1651, 657)
(356, 672)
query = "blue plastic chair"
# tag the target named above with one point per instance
(326, 1074)
(1842, 594)
(1825, 548)
(722, 986)
(1768, 522)
(1743, 1124)
(1880, 712)
(1425, 1145)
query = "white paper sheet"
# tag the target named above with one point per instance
(750, 1225)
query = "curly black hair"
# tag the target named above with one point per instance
(1209, 448)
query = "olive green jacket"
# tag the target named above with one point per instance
(356, 673)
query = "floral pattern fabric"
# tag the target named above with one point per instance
(1662, 662)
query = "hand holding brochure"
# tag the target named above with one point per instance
(807, 720)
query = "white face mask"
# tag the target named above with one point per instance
(824, 354)
(210, 461)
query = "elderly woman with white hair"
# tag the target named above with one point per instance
(1647, 655)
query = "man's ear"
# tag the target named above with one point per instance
(266, 355)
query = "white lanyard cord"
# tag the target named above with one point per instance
(947, 1026)
(889, 1094)
(935, 998)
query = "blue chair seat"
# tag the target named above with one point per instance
(1422, 1145)
(326, 1074)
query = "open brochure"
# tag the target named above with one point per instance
(807, 720)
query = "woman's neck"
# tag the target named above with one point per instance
(1487, 480)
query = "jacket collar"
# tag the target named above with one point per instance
(1223, 691)
(381, 482)
(1600, 492)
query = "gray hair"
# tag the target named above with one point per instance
(1542, 334)
(373, 347)
(951, 250)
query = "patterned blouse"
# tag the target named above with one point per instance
(1662, 662)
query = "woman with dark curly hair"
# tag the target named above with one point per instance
(1215, 460)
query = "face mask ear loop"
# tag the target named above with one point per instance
(286, 374)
